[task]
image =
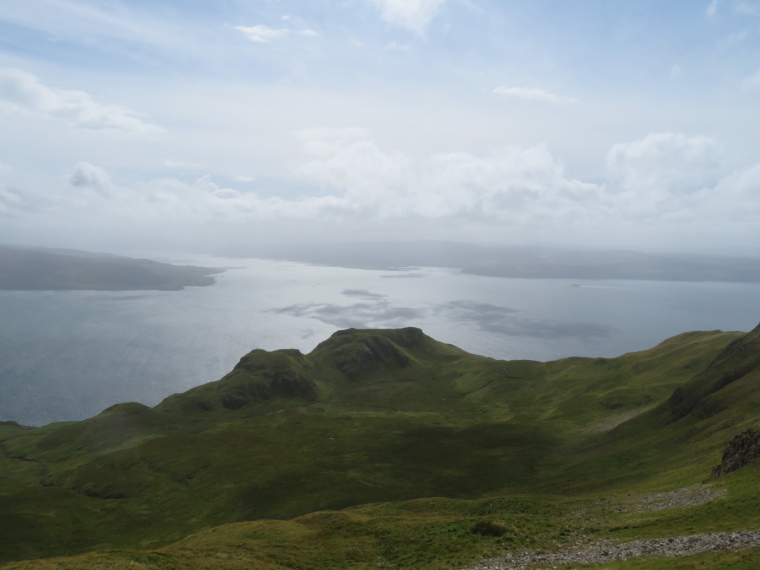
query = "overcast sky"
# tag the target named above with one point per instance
(190, 124)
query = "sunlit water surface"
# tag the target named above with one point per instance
(68, 355)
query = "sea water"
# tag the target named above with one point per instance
(67, 355)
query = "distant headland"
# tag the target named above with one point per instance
(37, 269)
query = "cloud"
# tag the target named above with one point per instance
(533, 94)
(501, 185)
(265, 34)
(205, 184)
(666, 163)
(664, 184)
(712, 9)
(414, 15)
(87, 176)
(23, 93)
(8, 199)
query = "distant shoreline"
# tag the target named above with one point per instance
(69, 270)
(517, 262)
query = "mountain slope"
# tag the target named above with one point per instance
(367, 416)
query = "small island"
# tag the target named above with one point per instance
(29, 269)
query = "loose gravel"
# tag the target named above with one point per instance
(607, 551)
(686, 497)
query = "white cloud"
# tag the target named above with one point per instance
(712, 9)
(533, 94)
(265, 34)
(505, 184)
(22, 92)
(663, 184)
(206, 184)
(413, 15)
(262, 34)
(666, 163)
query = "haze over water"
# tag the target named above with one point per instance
(68, 355)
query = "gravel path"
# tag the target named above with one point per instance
(686, 497)
(607, 551)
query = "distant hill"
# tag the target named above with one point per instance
(34, 269)
(393, 449)
(527, 262)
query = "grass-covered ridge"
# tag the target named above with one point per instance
(439, 456)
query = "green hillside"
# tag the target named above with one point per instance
(388, 448)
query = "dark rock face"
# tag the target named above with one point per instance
(742, 450)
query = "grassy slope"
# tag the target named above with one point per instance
(373, 416)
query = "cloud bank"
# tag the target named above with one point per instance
(664, 183)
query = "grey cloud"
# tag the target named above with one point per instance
(86, 175)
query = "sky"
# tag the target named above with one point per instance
(193, 125)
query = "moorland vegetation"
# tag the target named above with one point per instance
(386, 448)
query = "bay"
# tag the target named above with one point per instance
(67, 355)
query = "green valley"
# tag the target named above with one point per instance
(387, 448)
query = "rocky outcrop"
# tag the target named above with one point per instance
(742, 450)
(603, 552)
